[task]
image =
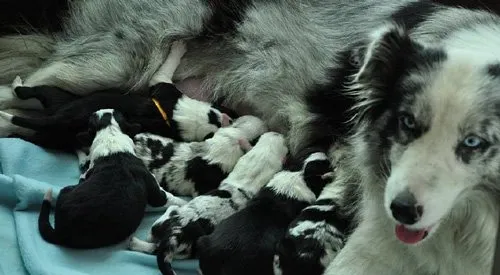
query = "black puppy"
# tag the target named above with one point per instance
(167, 112)
(245, 242)
(108, 203)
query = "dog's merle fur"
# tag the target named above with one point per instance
(195, 168)
(438, 66)
(179, 228)
(188, 119)
(90, 214)
(245, 242)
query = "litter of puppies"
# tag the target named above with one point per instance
(162, 146)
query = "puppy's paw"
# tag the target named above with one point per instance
(17, 82)
(7, 98)
(276, 265)
(135, 244)
(48, 195)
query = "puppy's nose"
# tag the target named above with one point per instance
(226, 120)
(404, 208)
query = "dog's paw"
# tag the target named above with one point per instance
(17, 82)
(9, 100)
(135, 244)
(277, 265)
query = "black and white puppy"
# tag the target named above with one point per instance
(108, 203)
(315, 237)
(245, 243)
(165, 112)
(195, 168)
(179, 228)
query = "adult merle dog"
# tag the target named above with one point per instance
(411, 86)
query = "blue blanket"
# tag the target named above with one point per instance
(26, 172)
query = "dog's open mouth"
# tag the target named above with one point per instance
(410, 236)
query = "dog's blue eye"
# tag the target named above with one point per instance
(407, 121)
(473, 141)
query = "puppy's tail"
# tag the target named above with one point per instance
(46, 230)
(163, 259)
(23, 54)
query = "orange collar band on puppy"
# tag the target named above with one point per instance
(162, 112)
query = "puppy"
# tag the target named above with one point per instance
(179, 228)
(166, 112)
(194, 168)
(108, 204)
(245, 242)
(315, 237)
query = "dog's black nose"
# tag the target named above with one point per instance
(405, 209)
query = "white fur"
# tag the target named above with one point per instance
(223, 150)
(250, 174)
(291, 185)
(167, 70)
(138, 245)
(192, 118)
(110, 140)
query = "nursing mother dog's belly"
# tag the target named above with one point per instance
(192, 87)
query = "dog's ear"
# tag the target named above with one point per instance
(84, 138)
(385, 58)
(390, 54)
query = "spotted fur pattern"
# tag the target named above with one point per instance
(195, 168)
(179, 228)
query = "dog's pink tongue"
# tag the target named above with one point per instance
(409, 236)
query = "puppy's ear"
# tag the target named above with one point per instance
(84, 138)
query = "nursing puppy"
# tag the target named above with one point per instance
(87, 215)
(179, 228)
(245, 243)
(166, 112)
(195, 168)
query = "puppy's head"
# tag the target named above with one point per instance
(429, 130)
(197, 120)
(107, 119)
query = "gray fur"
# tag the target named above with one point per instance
(263, 65)
(279, 51)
